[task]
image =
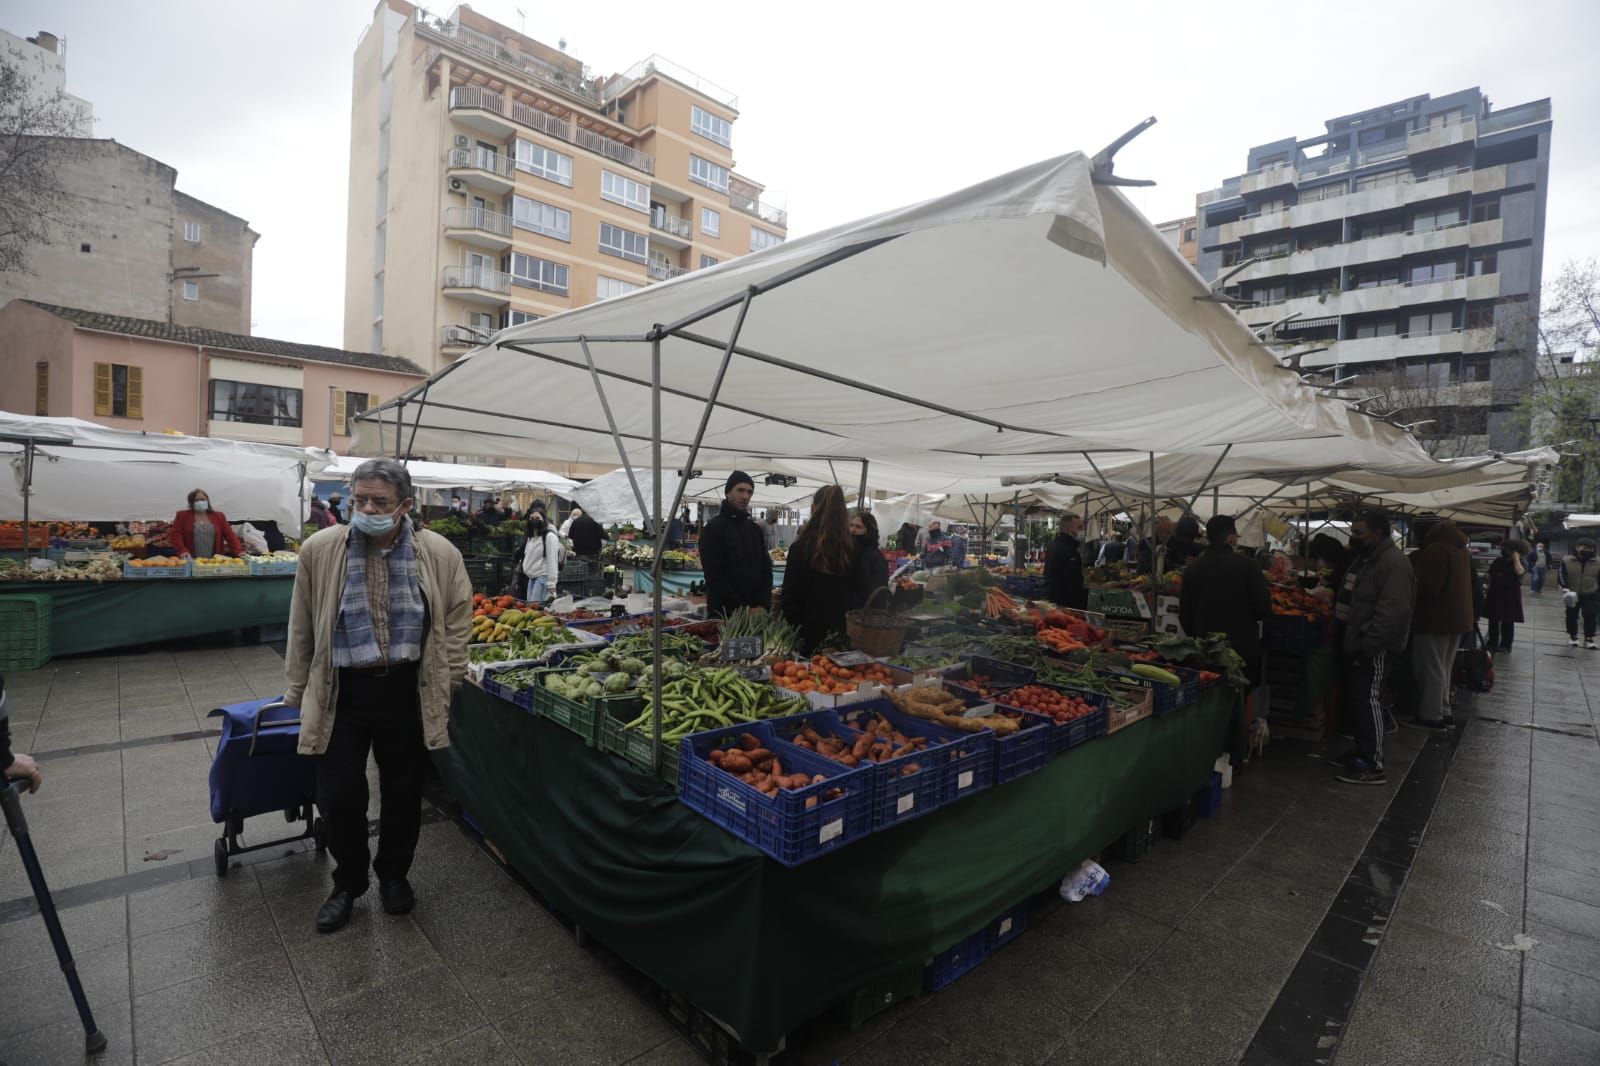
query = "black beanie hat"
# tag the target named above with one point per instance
(738, 477)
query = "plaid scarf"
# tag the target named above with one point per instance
(355, 642)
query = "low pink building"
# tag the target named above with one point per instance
(137, 373)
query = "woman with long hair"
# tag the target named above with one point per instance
(872, 569)
(820, 573)
(1503, 601)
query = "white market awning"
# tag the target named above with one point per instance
(425, 475)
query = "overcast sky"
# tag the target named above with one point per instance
(846, 108)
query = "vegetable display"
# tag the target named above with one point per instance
(760, 768)
(778, 637)
(948, 710)
(1299, 603)
(709, 699)
(822, 674)
(1061, 706)
(448, 526)
(879, 741)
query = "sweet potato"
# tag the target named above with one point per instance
(736, 762)
(749, 742)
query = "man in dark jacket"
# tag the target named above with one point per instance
(733, 553)
(1152, 547)
(586, 536)
(1375, 605)
(1225, 592)
(1063, 566)
(1442, 616)
(1580, 575)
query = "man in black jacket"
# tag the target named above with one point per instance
(1225, 592)
(733, 553)
(1063, 566)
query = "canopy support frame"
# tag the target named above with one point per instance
(605, 405)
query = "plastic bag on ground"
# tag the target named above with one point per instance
(1089, 879)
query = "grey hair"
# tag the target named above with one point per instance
(388, 470)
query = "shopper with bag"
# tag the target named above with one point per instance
(1579, 578)
(1442, 616)
(541, 560)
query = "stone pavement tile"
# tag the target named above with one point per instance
(1292, 899)
(1153, 1021)
(1550, 1041)
(1380, 1033)
(485, 1047)
(62, 1040)
(1257, 966)
(1557, 815)
(170, 906)
(306, 878)
(145, 851)
(65, 711)
(65, 863)
(1049, 968)
(1569, 836)
(150, 817)
(1100, 926)
(1458, 901)
(292, 1041)
(53, 735)
(141, 726)
(37, 995)
(602, 1023)
(407, 1015)
(1562, 993)
(258, 994)
(1415, 989)
(673, 1052)
(1477, 966)
(359, 957)
(1584, 801)
(1563, 913)
(1157, 892)
(93, 925)
(1455, 792)
(1000, 1015)
(825, 1040)
(1560, 881)
(1220, 839)
(1453, 815)
(913, 1046)
(1301, 858)
(1483, 854)
(215, 942)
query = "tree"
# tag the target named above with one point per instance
(38, 132)
(1561, 407)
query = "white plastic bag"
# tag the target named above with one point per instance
(252, 538)
(562, 605)
(1089, 879)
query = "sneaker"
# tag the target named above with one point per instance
(1592, 646)
(1572, 642)
(1441, 725)
(1362, 772)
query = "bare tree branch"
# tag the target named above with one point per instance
(38, 137)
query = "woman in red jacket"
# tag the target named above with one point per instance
(202, 532)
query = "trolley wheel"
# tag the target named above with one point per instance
(292, 814)
(219, 854)
(319, 834)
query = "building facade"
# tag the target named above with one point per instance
(126, 242)
(132, 373)
(1406, 243)
(43, 63)
(1182, 234)
(494, 181)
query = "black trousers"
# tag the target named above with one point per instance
(1500, 633)
(1363, 690)
(1586, 607)
(380, 713)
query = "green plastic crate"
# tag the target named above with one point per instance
(581, 718)
(632, 745)
(24, 630)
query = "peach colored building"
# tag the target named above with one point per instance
(494, 180)
(1182, 234)
(135, 373)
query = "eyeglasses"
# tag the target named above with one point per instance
(382, 503)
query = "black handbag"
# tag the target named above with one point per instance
(1474, 666)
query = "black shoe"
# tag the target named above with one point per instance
(335, 912)
(1362, 772)
(1442, 725)
(397, 896)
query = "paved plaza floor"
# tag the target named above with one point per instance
(1452, 916)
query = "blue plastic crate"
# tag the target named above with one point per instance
(1024, 751)
(965, 761)
(1283, 632)
(956, 961)
(1003, 675)
(783, 826)
(1208, 801)
(1006, 928)
(273, 568)
(521, 697)
(1064, 735)
(156, 573)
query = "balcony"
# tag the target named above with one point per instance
(1378, 249)
(657, 64)
(1407, 345)
(765, 212)
(569, 81)
(1268, 177)
(492, 113)
(670, 230)
(1442, 135)
(478, 226)
(482, 168)
(660, 271)
(1378, 298)
(1508, 118)
(463, 337)
(478, 284)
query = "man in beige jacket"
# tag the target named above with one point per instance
(378, 632)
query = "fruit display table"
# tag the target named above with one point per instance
(764, 947)
(93, 616)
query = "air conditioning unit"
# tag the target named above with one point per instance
(457, 185)
(463, 141)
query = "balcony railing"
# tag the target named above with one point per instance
(1512, 117)
(1374, 153)
(659, 65)
(463, 336)
(478, 218)
(660, 271)
(481, 158)
(765, 212)
(571, 82)
(678, 227)
(477, 277)
(471, 96)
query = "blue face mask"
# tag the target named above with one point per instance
(202, 505)
(374, 525)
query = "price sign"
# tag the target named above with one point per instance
(754, 673)
(849, 658)
(736, 649)
(981, 710)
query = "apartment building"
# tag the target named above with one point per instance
(1182, 234)
(1405, 242)
(494, 180)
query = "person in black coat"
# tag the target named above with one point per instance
(872, 569)
(1063, 566)
(1183, 546)
(586, 535)
(1225, 592)
(733, 553)
(821, 576)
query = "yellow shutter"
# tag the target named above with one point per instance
(339, 427)
(136, 392)
(102, 389)
(41, 389)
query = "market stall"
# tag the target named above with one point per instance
(87, 617)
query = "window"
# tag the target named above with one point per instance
(1454, 117)
(624, 191)
(547, 163)
(704, 172)
(1428, 370)
(707, 261)
(1270, 294)
(606, 288)
(1476, 367)
(1271, 246)
(41, 389)
(711, 127)
(191, 232)
(760, 238)
(1430, 219)
(1323, 192)
(541, 218)
(1428, 323)
(1375, 329)
(261, 405)
(118, 390)
(1310, 241)
(85, 248)
(537, 273)
(1379, 228)
(1485, 210)
(1319, 286)
(1374, 277)
(1231, 257)
(1480, 316)
(710, 222)
(1270, 207)
(346, 405)
(625, 244)
(1189, 234)
(1383, 180)
(191, 290)
(517, 318)
(1484, 263)
(1443, 270)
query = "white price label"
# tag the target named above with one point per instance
(905, 803)
(1005, 927)
(964, 780)
(830, 830)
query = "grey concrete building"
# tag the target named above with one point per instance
(1406, 242)
(126, 242)
(43, 63)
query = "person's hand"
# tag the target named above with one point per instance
(25, 770)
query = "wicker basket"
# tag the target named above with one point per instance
(874, 631)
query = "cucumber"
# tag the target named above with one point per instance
(1151, 672)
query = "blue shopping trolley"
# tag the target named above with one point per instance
(257, 770)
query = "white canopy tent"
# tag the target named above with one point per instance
(611, 497)
(425, 475)
(102, 474)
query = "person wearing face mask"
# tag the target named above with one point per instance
(1579, 578)
(201, 532)
(541, 560)
(1375, 604)
(378, 629)
(872, 569)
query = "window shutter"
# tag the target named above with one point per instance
(102, 388)
(339, 427)
(41, 389)
(136, 392)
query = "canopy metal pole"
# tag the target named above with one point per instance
(660, 534)
(399, 426)
(605, 405)
(861, 494)
(417, 422)
(1305, 549)
(27, 493)
(1207, 480)
(1107, 484)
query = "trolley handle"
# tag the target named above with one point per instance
(255, 731)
